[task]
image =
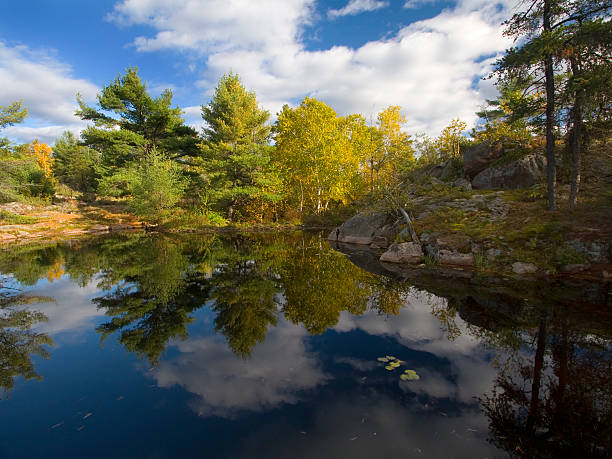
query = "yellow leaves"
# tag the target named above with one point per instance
(43, 155)
(449, 141)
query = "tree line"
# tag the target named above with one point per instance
(554, 93)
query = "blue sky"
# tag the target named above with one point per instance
(357, 55)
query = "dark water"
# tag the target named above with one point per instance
(270, 346)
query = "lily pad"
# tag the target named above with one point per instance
(382, 359)
(395, 364)
(389, 367)
(409, 375)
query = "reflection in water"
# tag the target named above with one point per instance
(18, 342)
(300, 325)
(556, 402)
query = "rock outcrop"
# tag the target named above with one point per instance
(522, 173)
(479, 157)
(361, 229)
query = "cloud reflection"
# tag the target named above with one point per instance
(278, 370)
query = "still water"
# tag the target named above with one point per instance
(279, 346)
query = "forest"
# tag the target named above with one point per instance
(311, 165)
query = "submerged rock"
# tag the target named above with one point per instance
(379, 242)
(405, 252)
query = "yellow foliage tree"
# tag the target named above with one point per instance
(448, 142)
(316, 155)
(44, 157)
(395, 147)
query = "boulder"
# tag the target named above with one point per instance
(406, 252)
(520, 267)
(359, 229)
(448, 257)
(477, 158)
(522, 173)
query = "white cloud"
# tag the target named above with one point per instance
(47, 89)
(432, 68)
(414, 4)
(355, 7)
(215, 25)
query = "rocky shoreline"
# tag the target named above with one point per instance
(482, 213)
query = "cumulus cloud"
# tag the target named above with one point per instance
(355, 7)
(47, 89)
(215, 25)
(432, 68)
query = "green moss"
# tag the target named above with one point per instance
(9, 218)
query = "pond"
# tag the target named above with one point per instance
(278, 345)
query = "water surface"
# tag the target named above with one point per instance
(142, 345)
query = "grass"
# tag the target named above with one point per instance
(9, 218)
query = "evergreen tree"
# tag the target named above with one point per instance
(129, 123)
(75, 165)
(236, 153)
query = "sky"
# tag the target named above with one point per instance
(358, 56)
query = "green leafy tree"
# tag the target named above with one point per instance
(155, 185)
(235, 152)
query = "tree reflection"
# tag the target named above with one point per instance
(153, 291)
(319, 284)
(244, 300)
(18, 342)
(556, 402)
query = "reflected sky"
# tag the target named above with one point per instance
(207, 355)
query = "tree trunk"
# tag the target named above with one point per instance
(551, 173)
(576, 134)
(413, 234)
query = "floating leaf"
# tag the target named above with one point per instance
(382, 359)
(389, 367)
(409, 375)
(395, 364)
(390, 357)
